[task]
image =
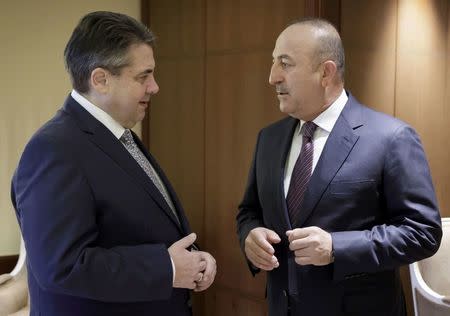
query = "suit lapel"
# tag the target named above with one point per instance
(111, 146)
(177, 204)
(284, 144)
(340, 143)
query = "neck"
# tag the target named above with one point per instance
(332, 93)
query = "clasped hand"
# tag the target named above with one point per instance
(311, 245)
(194, 270)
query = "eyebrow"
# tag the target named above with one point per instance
(283, 56)
(145, 72)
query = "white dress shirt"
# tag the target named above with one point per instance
(110, 124)
(325, 123)
(99, 114)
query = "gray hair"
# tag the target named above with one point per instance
(102, 39)
(329, 44)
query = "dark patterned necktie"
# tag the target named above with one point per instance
(136, 153)
(301, 173)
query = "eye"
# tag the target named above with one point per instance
(142, 78)
(284, 64)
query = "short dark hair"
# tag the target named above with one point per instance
(102, 39)
(329, 45)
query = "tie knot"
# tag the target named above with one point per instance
(308, 129)
(127, 138)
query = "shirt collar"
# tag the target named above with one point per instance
(99, 114)
(328, 118)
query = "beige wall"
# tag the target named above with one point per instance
(34, 83)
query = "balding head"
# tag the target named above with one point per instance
(326, 42)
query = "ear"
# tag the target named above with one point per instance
(329, 72)
(99, 80)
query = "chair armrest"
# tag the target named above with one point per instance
(5, 278)
(13, 294)
(23, 312)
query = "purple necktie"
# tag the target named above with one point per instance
(301, 173)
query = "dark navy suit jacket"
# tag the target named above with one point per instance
(371, 189)
(96, 229)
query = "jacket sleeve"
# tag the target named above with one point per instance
(412, 227)
(57, 214)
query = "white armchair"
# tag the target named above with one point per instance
(430, 279)
(14, 289)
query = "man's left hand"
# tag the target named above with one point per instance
(208, 274)
(311, 245)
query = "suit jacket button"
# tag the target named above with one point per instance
(284, 293)
(189, 302)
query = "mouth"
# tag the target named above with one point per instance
(281, 91)
(144, 103)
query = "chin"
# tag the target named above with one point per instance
(285, 108)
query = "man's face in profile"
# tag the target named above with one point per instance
(129, 92)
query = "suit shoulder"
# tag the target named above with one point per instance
(59, 132)
(379, 121)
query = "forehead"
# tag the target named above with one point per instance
(141, 57)
(295, 40)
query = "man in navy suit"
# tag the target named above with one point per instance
(104, 231)
(339, 196)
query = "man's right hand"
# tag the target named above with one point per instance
(189, 266)
(259, 250)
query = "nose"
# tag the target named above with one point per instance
(274, 77)
(152, 87)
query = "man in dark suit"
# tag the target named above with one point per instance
(339, 196)
(104, 231)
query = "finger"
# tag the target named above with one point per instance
(201, 287)
(303, 260)
(262, 256)
(192, 285)
(297, 233)
(210, 267)
(198, 277)
(185, 242)
(206, 281)
(260, 240)
(203, 284)
(261, 263)
(306, 252)
(201, 266)
(298, 244)
(273, 237)
(261, 246)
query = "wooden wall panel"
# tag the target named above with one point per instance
(250, 25)
(176, 131)
(180, 27)
(177, 111)
(176, 117)
(226, 302)
(445, 185)
(239, 102)
(368, 31)
(213, 60)
(422, 81)
(237, 108)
